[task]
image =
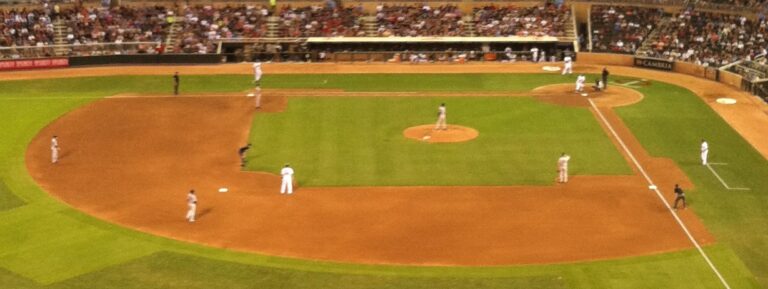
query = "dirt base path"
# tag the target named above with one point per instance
(132, 160)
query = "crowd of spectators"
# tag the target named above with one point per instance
(419, 20)
(203, 25)
(542, 20)
(710, 39)
(115, 25)
(320, 21)
(622, 29)
(730, 4)
(25, 27)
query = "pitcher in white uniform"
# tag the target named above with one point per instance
(562, 168)
(704, 152)
(54, 150)
(287, 185)
(441, 123)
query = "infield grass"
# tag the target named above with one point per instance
(359, 142)
(46, 244)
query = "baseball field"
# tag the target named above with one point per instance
(374, 208)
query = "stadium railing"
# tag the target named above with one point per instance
(91, 49)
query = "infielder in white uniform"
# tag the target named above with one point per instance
(704, 152)
(257, 73)
(441, 123)
(568, 65)
(562, 168)
(287, 186)
(580, 83)
(191, 206)
(54, 150)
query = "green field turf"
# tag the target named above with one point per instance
(359, 141)
(45, 244)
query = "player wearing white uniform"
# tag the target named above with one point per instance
(54, 150)
(257, 73)
(534, 54)
(568, 65)
(562, 168)
(441, 123)
(191, 206)
(704, 152)
(580, 83)
(287, 185)
(257, 97)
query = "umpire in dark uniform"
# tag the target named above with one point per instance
(605, 78)
(679, 196)
(176, 83)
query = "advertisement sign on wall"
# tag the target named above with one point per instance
(33, 63)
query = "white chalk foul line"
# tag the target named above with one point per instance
(661, 197)
(721, 179)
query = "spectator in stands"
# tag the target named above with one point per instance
(545, 20)
(710, 39)
(622, 29)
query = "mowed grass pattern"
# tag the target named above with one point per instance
(46, 244)
(360, 142)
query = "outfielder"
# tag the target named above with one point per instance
(580, 83)
(568, 65)
(441, 123)
(54, 150)
(191, 206)
(287, 186)
(257, 73)
(704, 152)
(562, 168)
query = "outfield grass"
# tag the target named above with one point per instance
(359, 142)
(672, 124)
(45, 244)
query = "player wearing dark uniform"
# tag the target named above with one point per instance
(605, 78)
(176, 83)
(680, 196)
(242, 152)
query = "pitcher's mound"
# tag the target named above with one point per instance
(427, 133)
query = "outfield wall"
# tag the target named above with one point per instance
(688, 68)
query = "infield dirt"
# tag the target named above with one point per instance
(132, 160)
